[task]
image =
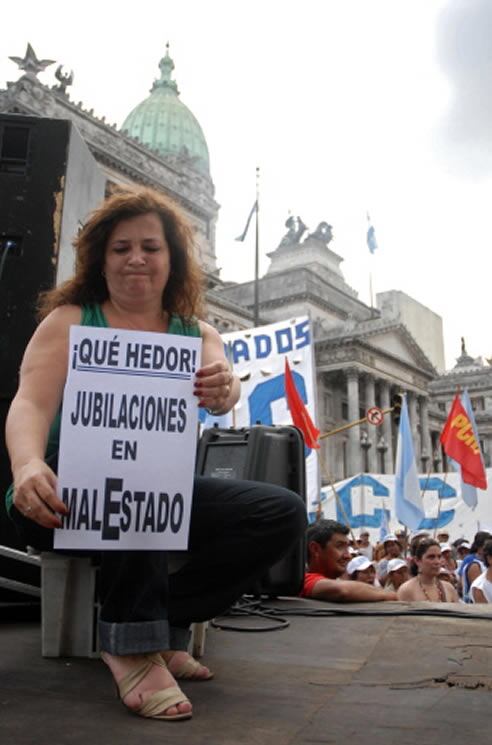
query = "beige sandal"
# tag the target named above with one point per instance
(189, 670)
(159, 700)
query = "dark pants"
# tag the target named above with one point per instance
(238, 530)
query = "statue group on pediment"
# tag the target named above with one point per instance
(296, 229)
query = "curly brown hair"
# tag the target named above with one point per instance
(183, 293)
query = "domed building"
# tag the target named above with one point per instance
(164, 124)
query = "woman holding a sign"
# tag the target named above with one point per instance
(136, 273)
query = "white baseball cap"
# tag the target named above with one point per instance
(358, 564)
(445, 547)
(390, 537)
(395, 564)
(419, 533)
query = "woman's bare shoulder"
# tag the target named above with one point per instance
(406, 591)
(53, 331)
(207, 330)
(63, 316)
(450, 592)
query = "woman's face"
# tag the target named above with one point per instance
(137, 262)
(430, 563)
(398, 577)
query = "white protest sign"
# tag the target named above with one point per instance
(128, 440)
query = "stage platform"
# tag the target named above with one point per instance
(388, 679)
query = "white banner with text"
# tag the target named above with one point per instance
(257, 356)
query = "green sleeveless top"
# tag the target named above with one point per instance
(92, 315)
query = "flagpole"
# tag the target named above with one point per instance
(257, 252)
(230, 359)
(326, 473)
(371, 295)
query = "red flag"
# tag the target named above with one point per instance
(459, 442)
(298, 411)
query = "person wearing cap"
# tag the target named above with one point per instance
(361, 569)
(397, 574)
(442, 536)
(364, 547)
(328, 557)
(392, 550)
(449, 564)
(462, 548)
(448, 560)
(402, 538)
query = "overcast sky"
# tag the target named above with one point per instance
(347, 106)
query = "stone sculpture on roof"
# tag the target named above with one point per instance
(30, 63)
(296, 229)
(323, 233)
(65, 79)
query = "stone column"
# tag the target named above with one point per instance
(425, 432)
(353, 464)
(389, 466)
(372, 431)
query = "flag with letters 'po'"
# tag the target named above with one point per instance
(460, 443)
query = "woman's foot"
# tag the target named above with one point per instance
(184, 667)
(157, 679)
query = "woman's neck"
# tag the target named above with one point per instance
(427, 579)
(151, 318)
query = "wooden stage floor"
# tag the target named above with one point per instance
(400, 680)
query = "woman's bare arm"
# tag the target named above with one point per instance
(216, 386)
(472, 572)
(478, 595)
(42, 378)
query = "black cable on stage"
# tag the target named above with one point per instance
(251, 608)
(254, 607)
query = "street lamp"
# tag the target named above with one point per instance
(382, 448)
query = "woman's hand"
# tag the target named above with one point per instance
(213, 386)
(35, 494)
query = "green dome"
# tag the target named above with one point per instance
(163, 123)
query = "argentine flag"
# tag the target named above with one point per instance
(372, 244)
(408, 501)
(384, 527)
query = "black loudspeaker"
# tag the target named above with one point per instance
(49, 181)
(271, 454)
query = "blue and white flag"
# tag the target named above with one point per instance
(384, 527)
(468, 491)
(408, 500)
(371, 236)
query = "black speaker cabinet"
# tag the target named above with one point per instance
(271, 454)
(49, 182)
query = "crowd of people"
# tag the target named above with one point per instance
(402, 566)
